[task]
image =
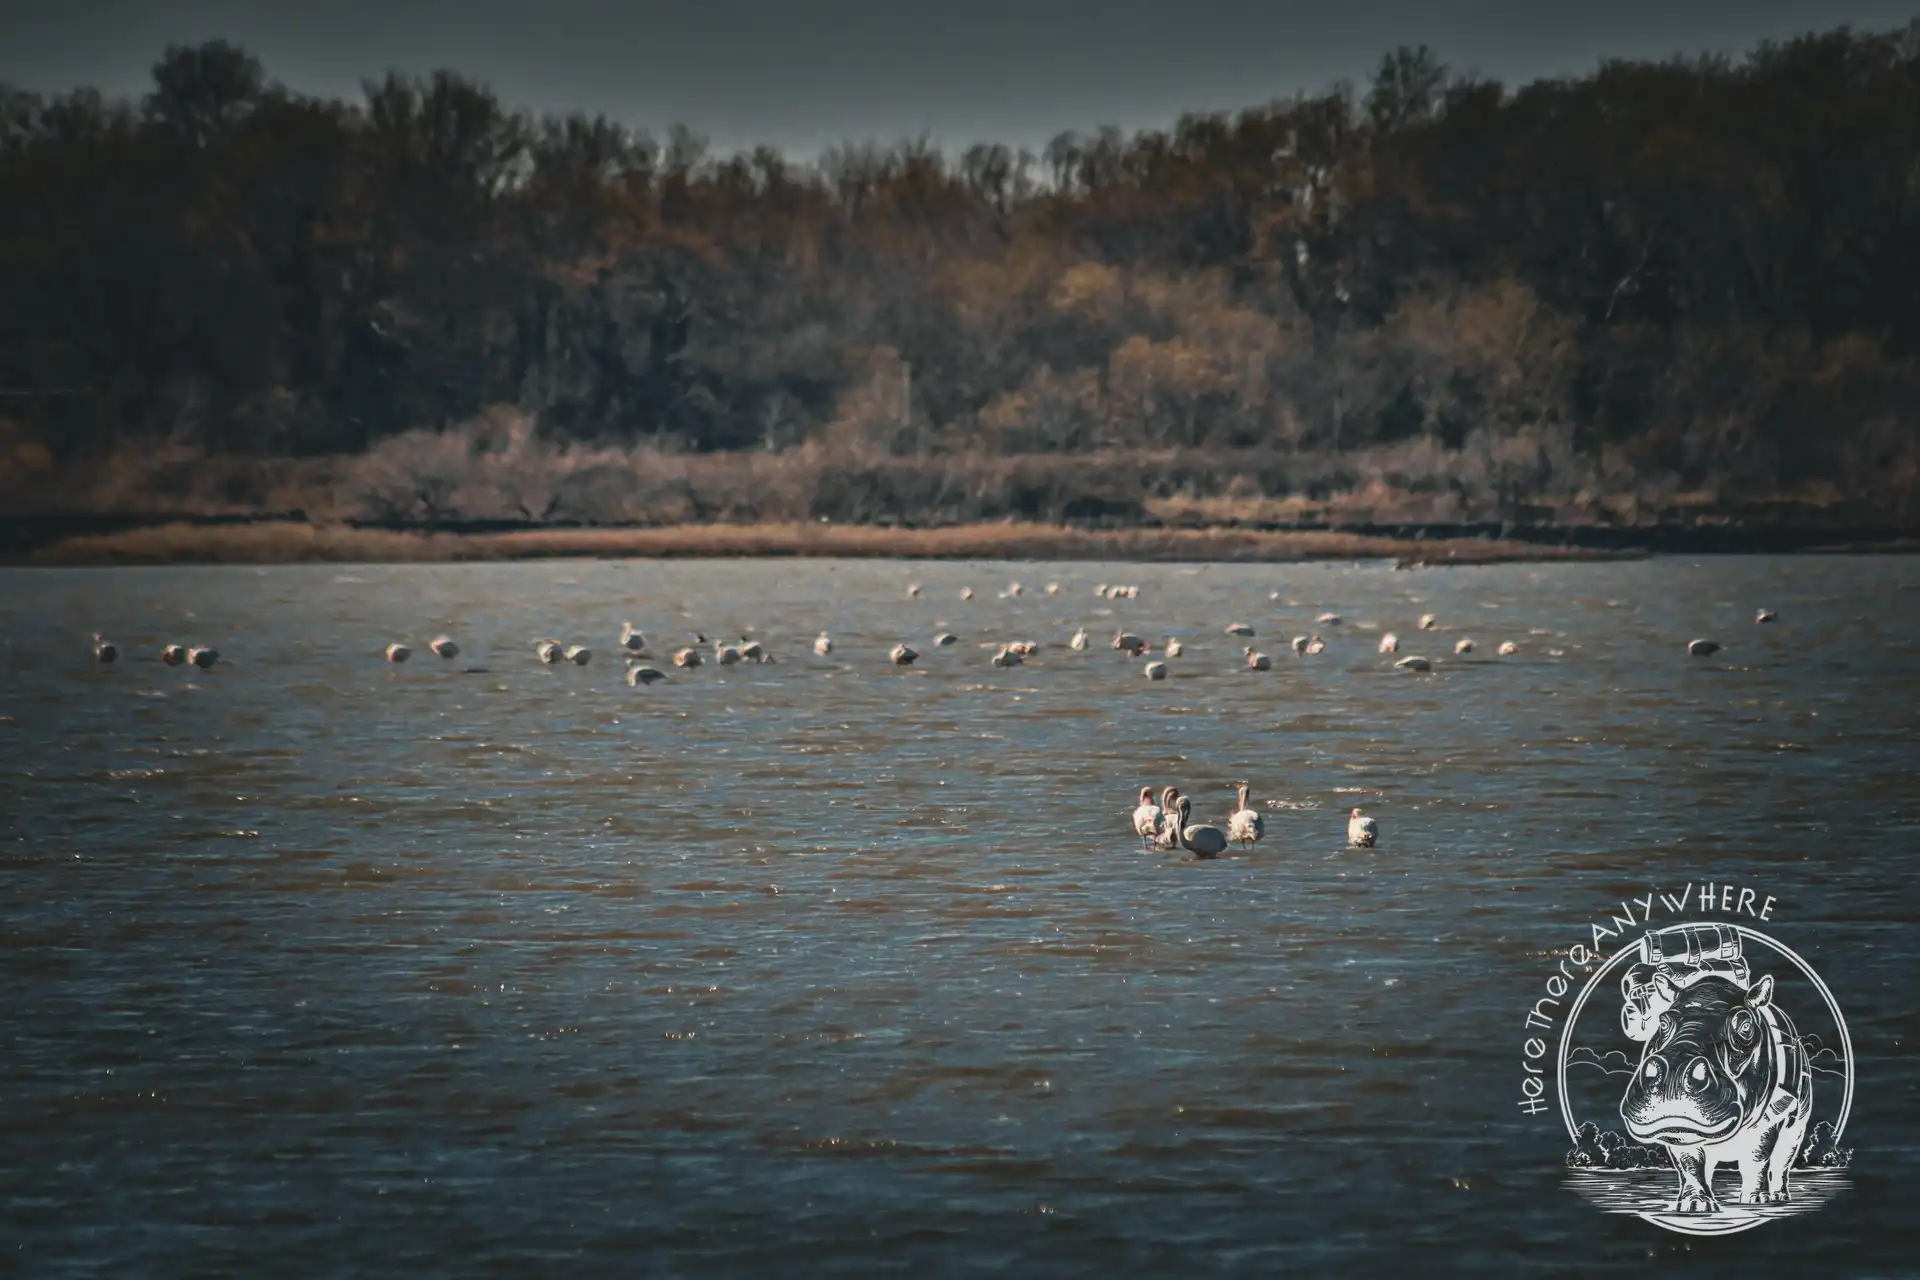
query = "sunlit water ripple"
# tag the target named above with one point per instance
(414, 969)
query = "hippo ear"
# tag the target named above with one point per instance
(1663, 986)
(1761, 992)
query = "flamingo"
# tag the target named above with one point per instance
(1146, 818)
(398, 653)
(1007, 657)
(1130, 644)
(550, 651)
(823, 644)
(443, 647)
(751, 651)
(630, 640)
(1414, 662)
(1202, 840)
(203, 656)
(1258, 661)
(578, 654)
(1389, 643)
(1314, 645)
(174, 654)
(1299, 644)
(688, 658)
(1174, 647)
(966, 593)
(1155, 670)
(1764, 615)
(1053, 588)
(913, 588)
(1328, 619)
(946, 639)
(104, 650)
(1507, 649)
(1079, 641)
(1426, 621)
(726, 654)
(903, 655)
(637, 676)
(1703, 648)
(1362, 831)
(1245, 825)
(1463, 645)
(1168, 837)
(1239, 629)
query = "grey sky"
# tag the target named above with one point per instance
(802, 75)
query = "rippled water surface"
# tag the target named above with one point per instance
(831, 965)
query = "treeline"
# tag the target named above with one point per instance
(1688, 281)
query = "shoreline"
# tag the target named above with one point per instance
(297, 542)
(263, 541)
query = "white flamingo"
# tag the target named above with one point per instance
(104, 650)
(1463, 645)
(1426, 621)
(823, 644)
(688, 658)
(751, 651)
(946, 639)
(1245, 825)
(913, 588)
(1201, 839)
(578, 654)
(1314, 645)
(1147, 818)
(1764, 615)
(1130, 644)
(637, 676)
(1239, 629)
(444, 647)
(398, 653)
(1389, 643)
(1299, 644)
(1053, 588)
(1174, 647)
(550, 651)
(1007, 657)
(1414, 662)
(1258, 661)
(1328, 619)
(203, 656)
(1507, 649)
(1362, 831)
(726, 654)
(630, 640)
(1703, 648)
(903, 655)
(1155, 670)
(1169, 802)
(1079, 641)
(174, 654)
(966, 593)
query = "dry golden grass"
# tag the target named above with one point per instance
(285, 542)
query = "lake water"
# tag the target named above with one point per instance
(316, 964)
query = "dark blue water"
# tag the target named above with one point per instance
(317, 965)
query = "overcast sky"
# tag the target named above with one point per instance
(803, 75)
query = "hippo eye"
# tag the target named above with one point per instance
(1666, 1024)
(1741, 1026)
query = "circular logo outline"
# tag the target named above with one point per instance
(1793, 957)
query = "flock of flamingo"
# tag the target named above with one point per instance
(1165, 823)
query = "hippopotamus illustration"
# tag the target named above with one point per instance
(1723, 1077)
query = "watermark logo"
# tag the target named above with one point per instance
(1702, 1068)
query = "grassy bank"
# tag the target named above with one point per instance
(290, 542)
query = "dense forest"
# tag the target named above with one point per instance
(1662, 287)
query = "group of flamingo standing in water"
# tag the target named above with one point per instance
(1167, 823)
